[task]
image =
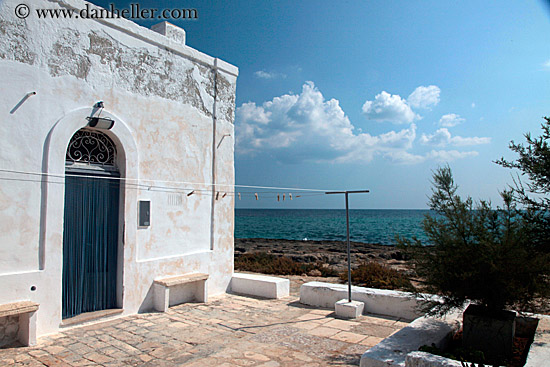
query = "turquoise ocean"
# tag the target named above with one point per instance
(368, 226)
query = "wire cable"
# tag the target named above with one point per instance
(125, 179)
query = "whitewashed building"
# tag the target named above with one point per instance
(116, 166)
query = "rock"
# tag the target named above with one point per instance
(398, 255)
(314, 273)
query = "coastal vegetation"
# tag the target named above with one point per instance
(497, 259)
(534, 195)
(369, 274)
(374, 275)
(482, 255)
(263, 262)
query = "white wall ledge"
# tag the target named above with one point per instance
(393, 350)
(398, 304)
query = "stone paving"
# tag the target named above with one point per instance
(229, 330)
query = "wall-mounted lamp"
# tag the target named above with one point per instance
(101, 123)
(223, 137)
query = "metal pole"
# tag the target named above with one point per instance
(349, 249)
(347, 230)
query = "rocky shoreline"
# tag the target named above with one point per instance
(332, 253)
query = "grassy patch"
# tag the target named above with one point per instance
(262, 262)
(375, 275)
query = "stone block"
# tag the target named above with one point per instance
(260, 285)
(349, 310)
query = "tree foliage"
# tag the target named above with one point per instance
(534, 164)
(478, 253)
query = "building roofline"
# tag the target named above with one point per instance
(154, 38)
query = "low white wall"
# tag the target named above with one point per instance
(393, 350)
(260, 285)
(539, 353)
(378, 301)
(423, 359)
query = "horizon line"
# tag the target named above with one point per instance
(335, 208)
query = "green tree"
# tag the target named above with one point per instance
(534, 195)
(477, 253)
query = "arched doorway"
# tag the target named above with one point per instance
(90, 227)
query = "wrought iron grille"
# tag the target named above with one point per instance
(91, 147)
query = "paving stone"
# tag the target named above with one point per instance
(228, 331)
(270, 364)
(302, 357)
(371, 341)
(51, 361)
(22, 358)
(310, 316)
(348, 337)
(375, 330)
(306, 325)
(323, 331)
(341, 324)
(243, 362)
(145, 357)
(322, 312)
(178, 359)
(98, 357)
(256, 356)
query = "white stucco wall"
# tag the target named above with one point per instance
(161, 95)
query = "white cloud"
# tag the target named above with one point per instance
(307, 127)
(450, 120)
(262, 74)
(424, 97)
(442, 138)
(388, 107)
(474, 140)
(546, 65)
(250, 112)
(295, 128)
(449, 155)
(473, 105)
(405, 157)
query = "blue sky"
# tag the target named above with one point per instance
(376, 94)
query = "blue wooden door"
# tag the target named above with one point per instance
(90, 241)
